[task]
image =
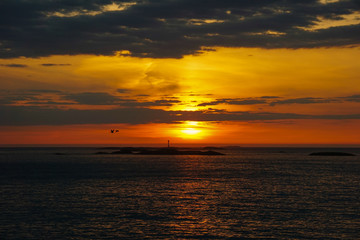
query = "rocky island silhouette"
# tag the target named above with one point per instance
(160, 151)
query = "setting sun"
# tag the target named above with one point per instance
(148, 119)
(190, 131)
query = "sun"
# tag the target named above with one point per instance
(190, 130)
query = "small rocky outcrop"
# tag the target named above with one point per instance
(331, 154)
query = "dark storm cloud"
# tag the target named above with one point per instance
(167, 28)
(27, 116)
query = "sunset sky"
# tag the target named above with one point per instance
(240, 72)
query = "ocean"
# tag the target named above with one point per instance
(249, 193)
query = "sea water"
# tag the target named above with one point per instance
(250, 193)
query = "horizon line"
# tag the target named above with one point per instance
(307, 145)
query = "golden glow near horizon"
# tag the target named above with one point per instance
(191, 130)
(258, 133)
(331, 73)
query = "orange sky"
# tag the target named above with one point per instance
(226, 95)
(328, 76)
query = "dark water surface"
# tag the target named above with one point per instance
(246, 194)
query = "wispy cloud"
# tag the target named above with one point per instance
(14, 65)
(234, 101)
(123, 98)
(307, 100)
(55, 64)
(353, 98)
(21, 116)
